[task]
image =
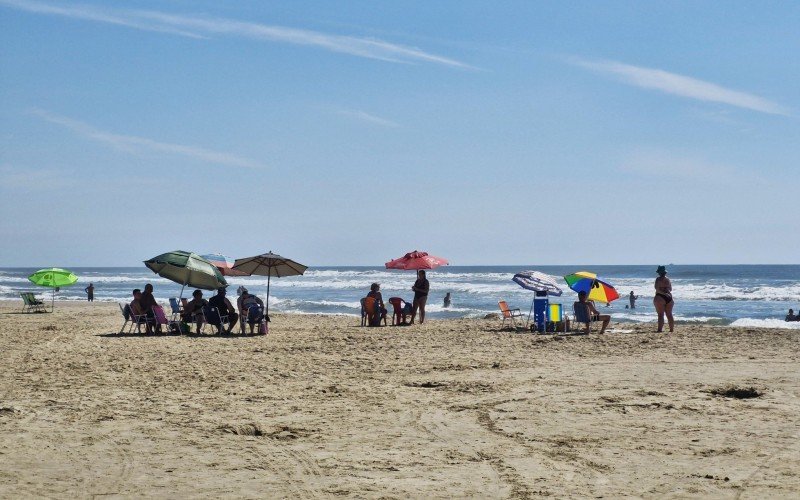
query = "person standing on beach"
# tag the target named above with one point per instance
(89, 292)
(632, 299)
(663, 300)
(421, 288)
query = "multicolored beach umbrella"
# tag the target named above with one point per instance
(599, 290)
(417, 260)
(53, 277)
(223, 263)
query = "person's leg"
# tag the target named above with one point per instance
(233, 320)
(414, 307)
(606, 319)
(422, 301)
(659, 305)
(668, 311)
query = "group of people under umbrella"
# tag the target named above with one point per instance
(189, 269)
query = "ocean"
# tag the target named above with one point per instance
(745, 295)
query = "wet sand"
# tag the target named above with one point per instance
(322, 408)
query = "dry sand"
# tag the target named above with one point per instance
(321, 407)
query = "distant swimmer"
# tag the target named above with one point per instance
(632, 299)
(447, 300)
(791, 316)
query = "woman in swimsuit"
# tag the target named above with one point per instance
(421, 288)
(663, 299)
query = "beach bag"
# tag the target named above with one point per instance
(184, 328)
(263, 328)
(161, 318)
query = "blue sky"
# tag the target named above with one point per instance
(347, 133)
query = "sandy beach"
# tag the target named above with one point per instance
(454, 408)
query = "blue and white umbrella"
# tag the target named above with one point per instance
(538, 282)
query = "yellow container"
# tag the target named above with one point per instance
(555, 312)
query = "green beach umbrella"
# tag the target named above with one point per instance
(187, 269)
(53, 277)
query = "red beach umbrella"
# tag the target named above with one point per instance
(416, 260)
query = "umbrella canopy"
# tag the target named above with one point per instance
(53, 277)
(538, 282)
(223, 263)
(599, 290)
(269, 265)
(417, 260)
(187, 269)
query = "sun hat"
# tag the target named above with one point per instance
(661, 270)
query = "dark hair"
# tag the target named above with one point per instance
(136, 290)
(422, 272)
(582, 294)
(148, 288)
(374, 287)
(197, 293)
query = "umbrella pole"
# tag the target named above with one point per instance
(266, 309)
(181, 295)
(53, 302)
(529, 314)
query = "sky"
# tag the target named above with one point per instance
(349, 133)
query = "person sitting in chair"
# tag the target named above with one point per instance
(380, 307)
(251, 308)
(193, 312)
(592, 313)
(225, 308)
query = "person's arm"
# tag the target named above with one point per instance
(240, 303)
(230, 306)
(592, 309)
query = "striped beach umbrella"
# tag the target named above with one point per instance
(596, 289)
(538, 282)
(224, 264)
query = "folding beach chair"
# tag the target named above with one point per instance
(214, 318)
(509, 314)
(31, 304)
(582, 315)
(175, 309)
(138, 320)
(126, 313)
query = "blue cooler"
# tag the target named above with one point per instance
(540, 303)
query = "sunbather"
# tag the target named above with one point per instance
(193, 310)
(225, 308)
(146, 302)
(421, 288)
(380, 307)
(594, 315)
(251, 308)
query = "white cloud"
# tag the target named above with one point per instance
(684, 86)
(364, 116)
(139, 145)
(685, 169)
(202, 27)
